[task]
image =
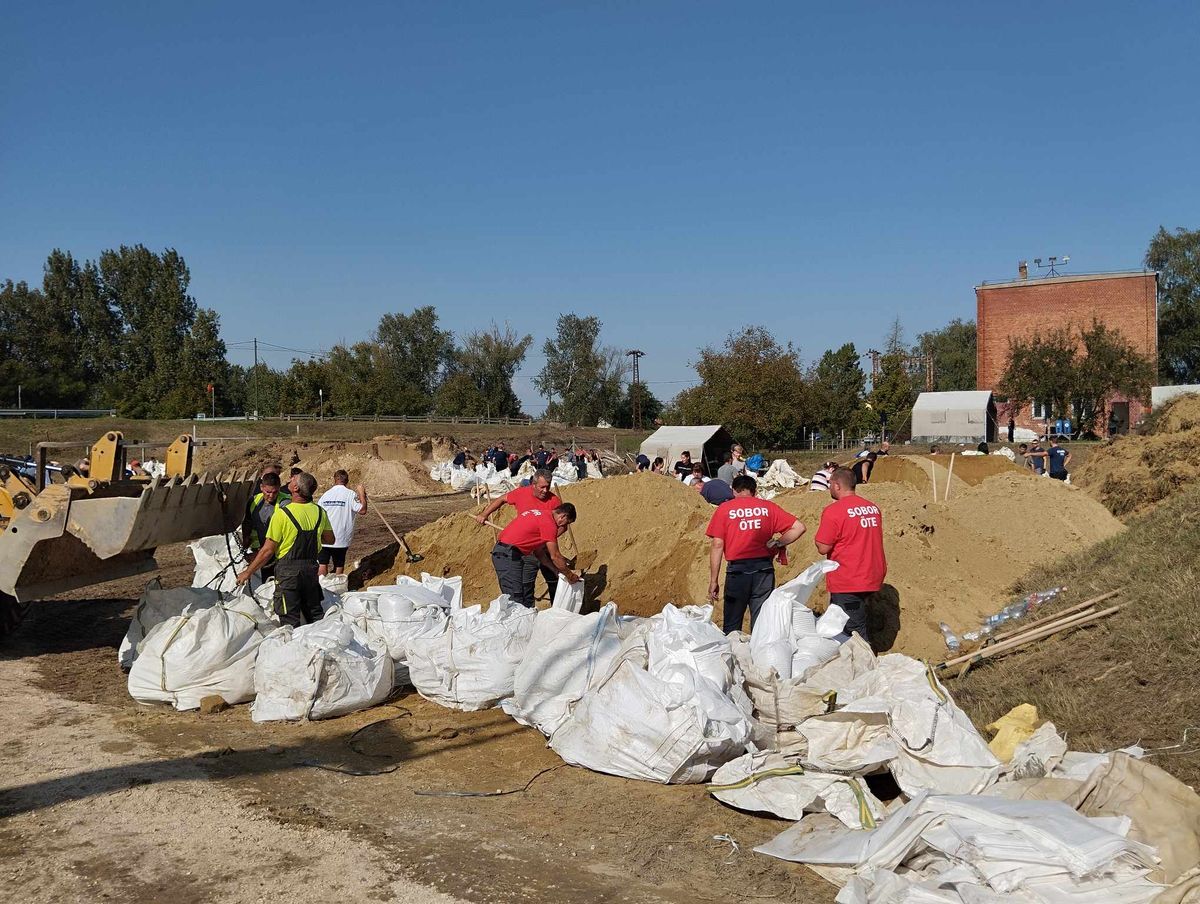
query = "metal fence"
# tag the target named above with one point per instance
(407, 419)
(55, 413)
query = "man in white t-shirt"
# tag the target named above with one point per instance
(343, 505)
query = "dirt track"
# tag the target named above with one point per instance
(104, 799)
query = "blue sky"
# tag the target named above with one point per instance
(678, 169)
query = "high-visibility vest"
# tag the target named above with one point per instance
(258, 531)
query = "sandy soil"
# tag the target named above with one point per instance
(641, 540)
(124, 803)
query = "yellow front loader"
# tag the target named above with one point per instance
(63, 529)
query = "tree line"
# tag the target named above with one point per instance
(123, 332)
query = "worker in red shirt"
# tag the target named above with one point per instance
(748, 533)
(536, 495)
(851, 534)
(532, 536)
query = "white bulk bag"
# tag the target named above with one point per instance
(463, 479)
(772, 644)
(213, 568)
(200, 653)
(770, 783)
(157, 605)
(568, 596)
(670, 708)
(332, 588)
(318, 671)
(780, 703)
(390, 621)
(471, 666)
(565, 652)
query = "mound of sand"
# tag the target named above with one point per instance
(1134, 473)
(641, 539)
(388, 466)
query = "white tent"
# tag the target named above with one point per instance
(707, 444)
(954, 417)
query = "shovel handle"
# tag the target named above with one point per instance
(395, 535)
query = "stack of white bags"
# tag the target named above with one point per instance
(789, 721)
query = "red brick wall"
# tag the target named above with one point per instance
(1021, 309)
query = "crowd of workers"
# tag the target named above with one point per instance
(541, 458)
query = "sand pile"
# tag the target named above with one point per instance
(1133, 473)
(641, 539)
(389, 466)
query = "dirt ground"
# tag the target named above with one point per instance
(103, 799)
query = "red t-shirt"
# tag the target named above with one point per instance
(746, 524)
(530, 529)
(853, 526)
(522, 499)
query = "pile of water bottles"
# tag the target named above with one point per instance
(994, 623)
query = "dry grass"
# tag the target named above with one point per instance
(1132, 677)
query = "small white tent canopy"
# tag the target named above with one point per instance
(707, 444)
(954, 417)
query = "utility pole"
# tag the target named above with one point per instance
(256, 409)
(634, 396)
(321, 393)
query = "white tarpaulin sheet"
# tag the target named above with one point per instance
(1030, 850)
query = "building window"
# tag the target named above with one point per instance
(1041, 410)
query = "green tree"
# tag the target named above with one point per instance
(581, 378)
(953, 350)
(893, 392)
(835, 388)
(752, 385)
(1176, 257)
(651, 407)
(479, 381)
(1075, 374)
(166, 349)
(410, 361)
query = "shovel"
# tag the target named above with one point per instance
(412, 557)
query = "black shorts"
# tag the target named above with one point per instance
(334, 554)
(1060, 475)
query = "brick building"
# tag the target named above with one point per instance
(1125, 301)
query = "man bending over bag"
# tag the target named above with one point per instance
(531, 539)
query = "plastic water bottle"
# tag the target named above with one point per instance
(952, 642)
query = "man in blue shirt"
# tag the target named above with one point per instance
(1057, 458)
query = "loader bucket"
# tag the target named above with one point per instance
(70, 537)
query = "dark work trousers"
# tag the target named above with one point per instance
(297, 593)
(855, 605)
(548, 574)
(515, 576)
(748, 583)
